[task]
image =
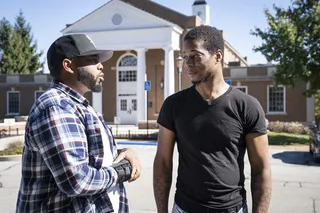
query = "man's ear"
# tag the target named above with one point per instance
(219, 55)
(66, 64)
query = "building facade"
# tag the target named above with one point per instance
(147, 38)
(279, 103)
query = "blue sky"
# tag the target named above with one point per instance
(236, 19)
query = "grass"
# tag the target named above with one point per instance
(276, 138)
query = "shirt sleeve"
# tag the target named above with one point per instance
(61, 139)
(255, 121)
(166, 115)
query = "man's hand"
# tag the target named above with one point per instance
(131, 156)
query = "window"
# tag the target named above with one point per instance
(37, 94)
(276, 99)
(242, 88)
(13, 102)
(123, 105)
(127, 75)
(134, 104)
(128, 61)
(127, 69)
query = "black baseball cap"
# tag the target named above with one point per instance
(71, 46)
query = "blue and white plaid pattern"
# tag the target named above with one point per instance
(62, 158)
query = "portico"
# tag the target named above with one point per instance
(121, 27)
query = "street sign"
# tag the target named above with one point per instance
(228, 82)
(147, 85)
(116, 120)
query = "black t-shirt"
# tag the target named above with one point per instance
(211, 144)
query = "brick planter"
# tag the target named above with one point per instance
(151, 125)
(10, 158)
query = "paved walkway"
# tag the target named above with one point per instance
(296, 182)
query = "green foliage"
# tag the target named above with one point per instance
(18, 49)
(276, 138)
(288, 127)
(14, 148)
(317, 106)
(292, 41)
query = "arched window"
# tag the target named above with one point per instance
(128, 61)
(127, 71)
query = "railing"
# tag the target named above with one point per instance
(118, 133)
(11, 131)
(130, 134)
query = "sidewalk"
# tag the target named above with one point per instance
(295, 182)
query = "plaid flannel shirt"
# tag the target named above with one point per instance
(62, 158)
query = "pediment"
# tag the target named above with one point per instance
(116, 15)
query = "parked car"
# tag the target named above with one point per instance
(314, 146)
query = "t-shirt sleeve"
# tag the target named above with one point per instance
(166, 114)
(255, 121)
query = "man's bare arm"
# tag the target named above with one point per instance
(258, 153)
(162, 168)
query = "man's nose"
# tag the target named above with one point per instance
(189, 63)
(100, 66)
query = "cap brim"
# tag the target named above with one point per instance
(104, 55)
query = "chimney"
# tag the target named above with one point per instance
(201, 9)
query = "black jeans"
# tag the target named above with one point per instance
(241, 209)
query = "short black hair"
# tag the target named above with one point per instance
(212, 37)
(56, 68)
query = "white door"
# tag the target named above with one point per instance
(127, 109)
(127, 89)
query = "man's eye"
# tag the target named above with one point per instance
(94, 60)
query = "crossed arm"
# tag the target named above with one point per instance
(257, 146)
(61, 139)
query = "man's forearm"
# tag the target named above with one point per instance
(162, 179)
(261, 191)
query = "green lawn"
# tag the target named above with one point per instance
(276, 138)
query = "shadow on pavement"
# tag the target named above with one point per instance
(296, 157)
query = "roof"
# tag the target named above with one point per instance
(199, 2)
(158, 10)
(165, 13)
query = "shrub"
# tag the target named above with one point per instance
(267, 123)
(14, 148)
(288, 127)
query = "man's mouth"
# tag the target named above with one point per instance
(101, 78)
(191, 73)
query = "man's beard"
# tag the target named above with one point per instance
(204, 78)
(88, 80)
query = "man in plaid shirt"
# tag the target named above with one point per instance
(68, 162)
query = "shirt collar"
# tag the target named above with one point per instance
(69, 91)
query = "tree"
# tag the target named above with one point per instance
(11, 57)
(6, 41)
(29, 48)
(292, 42)
(317, 106)
(19, 52)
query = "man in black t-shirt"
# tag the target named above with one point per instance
(213, 124)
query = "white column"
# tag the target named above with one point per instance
(141, 95)
(169, 72)
(97, 101)
(310, 107)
